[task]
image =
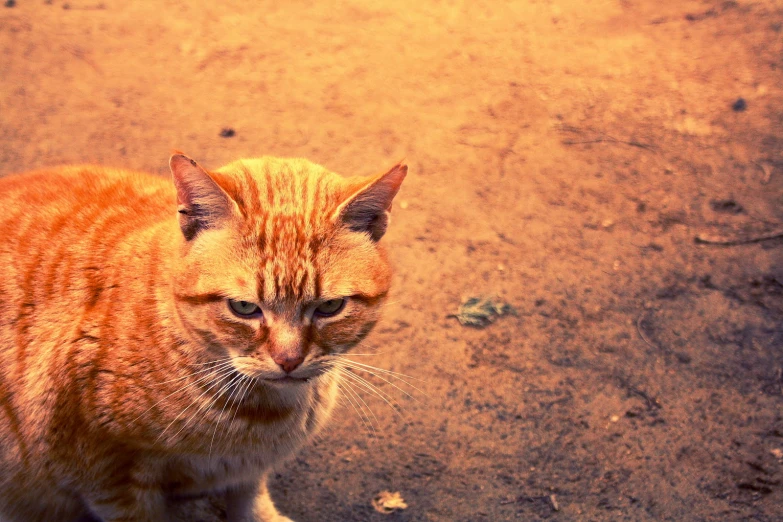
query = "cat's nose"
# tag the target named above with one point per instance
(288, 363)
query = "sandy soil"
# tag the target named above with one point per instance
(564, 155)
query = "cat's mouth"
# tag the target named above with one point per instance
(288, 379)
(302, 375)
(308, 376)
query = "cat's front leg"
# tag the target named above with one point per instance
(252, 503)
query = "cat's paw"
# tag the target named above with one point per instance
(269, 517)
(273, 518)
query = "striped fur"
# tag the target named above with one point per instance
(125, 379)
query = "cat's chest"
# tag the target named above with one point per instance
(246, 448)
(240, 458)
(198, 474)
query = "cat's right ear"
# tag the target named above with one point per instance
(367, 210)
(201, 203)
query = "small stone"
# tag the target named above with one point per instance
(727, 206)
(739, 105)
(227, 132)
(593, 310)
(683, 357)
(607, 223)
(10, 3)
(404, 205)
(501, 267)
(777, 453)
(614, 418)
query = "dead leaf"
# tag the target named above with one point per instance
(482, 311)
(387, 503)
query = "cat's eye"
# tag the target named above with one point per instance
(330, 308)
(244, 308)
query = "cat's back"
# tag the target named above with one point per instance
(42, 192)
(59, 230)
(46, 207)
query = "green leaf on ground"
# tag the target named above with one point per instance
(482, 311)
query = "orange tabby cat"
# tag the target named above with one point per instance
(150, 352)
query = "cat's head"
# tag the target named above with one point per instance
(280, 267)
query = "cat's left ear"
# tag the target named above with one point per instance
(201, 203)
(367, 208)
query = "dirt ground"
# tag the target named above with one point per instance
(564, 155)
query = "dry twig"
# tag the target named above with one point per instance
(716, 239)
(766, 170)
(609, 139)
(639, 329)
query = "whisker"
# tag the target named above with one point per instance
(327, 428)
(342, 400)
(374, 389)
(178, 390)
(389, 383)
(351, 353)
(223, 374)
(359, 396)
(386, 373)
(234, 384)
(349, 401)
(390, 372)
(245, 388)
(211, 362)
(349, 393)
(207, 405)
(221, 365)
